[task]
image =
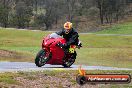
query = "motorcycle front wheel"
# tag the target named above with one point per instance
(41, 58)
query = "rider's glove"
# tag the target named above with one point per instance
(80, 45)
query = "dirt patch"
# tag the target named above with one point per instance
(13, 56)
(8, 54)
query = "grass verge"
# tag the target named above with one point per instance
(124, 28)
(8, 78)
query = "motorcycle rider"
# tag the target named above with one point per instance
(69, 34)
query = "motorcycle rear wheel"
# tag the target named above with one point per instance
(41, 58)
(70, 61)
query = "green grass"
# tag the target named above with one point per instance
(116, 57)
(106, 41)
(103, 50)
(124, 28)
(8, 78)
(21, 38)
(26, 42)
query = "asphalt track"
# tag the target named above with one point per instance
(27, 67)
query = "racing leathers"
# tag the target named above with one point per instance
(71, 37)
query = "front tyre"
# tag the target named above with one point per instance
(41, 58)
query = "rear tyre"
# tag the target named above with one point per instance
(41, 58)
(70, 61)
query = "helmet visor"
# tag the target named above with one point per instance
(67, 31)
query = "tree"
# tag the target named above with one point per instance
(53, 12)
(100, 4)
(23, 14)
(4, 13)
(111, 10)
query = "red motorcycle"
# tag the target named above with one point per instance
(52, 54)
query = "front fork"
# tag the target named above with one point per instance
(48, 54)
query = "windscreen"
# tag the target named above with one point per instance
(54, 35)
